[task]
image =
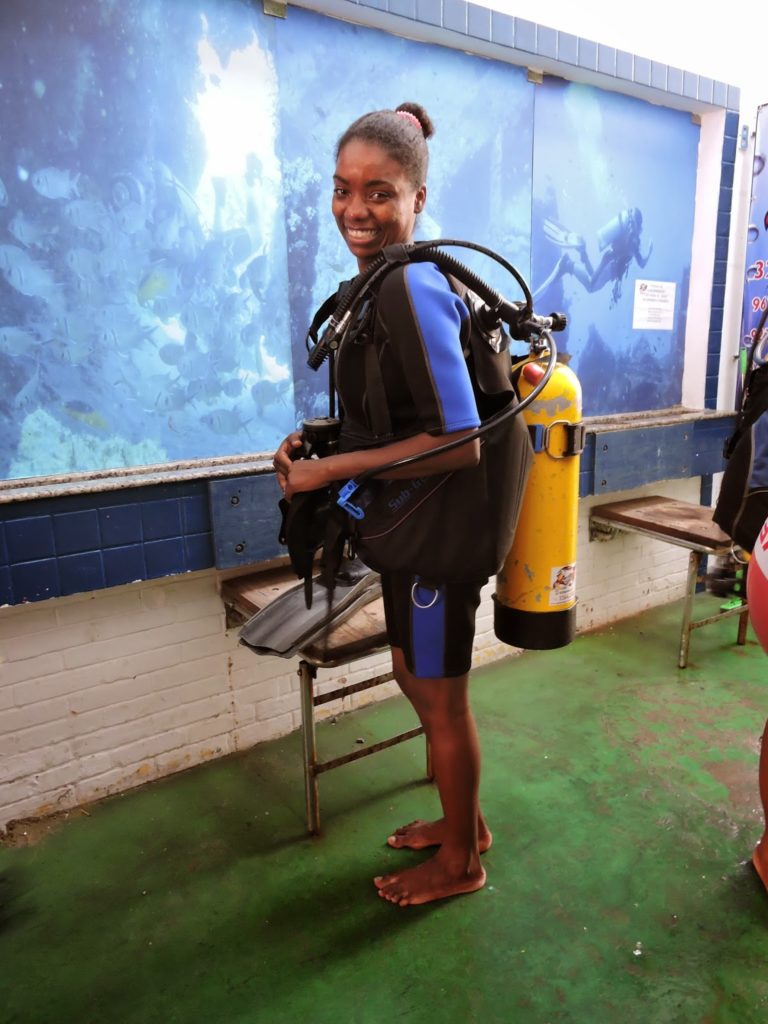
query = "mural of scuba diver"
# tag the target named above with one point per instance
(619, 244)
(600, 224)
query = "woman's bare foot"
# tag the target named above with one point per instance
(418, 835)
(760, 860)
(435, 879)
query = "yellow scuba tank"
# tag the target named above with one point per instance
(535, 600)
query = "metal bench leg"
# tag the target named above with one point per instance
(694, 564)
(307, 674)
(743, 623)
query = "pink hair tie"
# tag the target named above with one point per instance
(410, 117)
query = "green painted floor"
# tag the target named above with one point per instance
(623, 798)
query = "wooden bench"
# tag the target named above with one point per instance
(362, 634)
(686, 526)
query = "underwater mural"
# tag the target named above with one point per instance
(165, 226)
(142, 253)
(614, 186)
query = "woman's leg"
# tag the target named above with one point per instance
(760, 855)
(420, 834)
(442, 704)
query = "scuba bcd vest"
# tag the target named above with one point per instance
(456, 525)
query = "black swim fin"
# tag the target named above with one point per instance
(284, 626)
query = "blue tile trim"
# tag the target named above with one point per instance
(120, 525)
(455, 15)
(479, 22)
(659, 75)
(124, 565)
(30, 538)
(53, 547)
(403, 8)
(732, 125)
(164, 557)
(429, 12)
(6, 589)
(504, 29)
(587, 54)
(161, 519)
(721, 249)
(690, 85)
(35, 581)
(705, 89)
(81, 573)
(525, 35)
(76, 531)
(528, 37)
(567, 48)
(675, 81)
(643, 72)
(546, 41)
(606, 60)
(624, 65)
(719, 272)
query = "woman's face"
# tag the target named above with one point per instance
(374, 201)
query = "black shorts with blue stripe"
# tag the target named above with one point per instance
(434, 627)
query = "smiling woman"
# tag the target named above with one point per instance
(407, 367)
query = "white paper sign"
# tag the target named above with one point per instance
(654, 306)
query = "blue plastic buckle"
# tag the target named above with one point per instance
(346, 492)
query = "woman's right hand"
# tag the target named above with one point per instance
(289, 449)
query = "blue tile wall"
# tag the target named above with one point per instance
(76, 531)
(80, 573)
(53, 547)
(6, 589)
(124, 565)
(35, 581)
(717, 298)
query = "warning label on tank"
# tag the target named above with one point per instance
(562, 588)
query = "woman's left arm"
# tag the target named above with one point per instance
(311, 474)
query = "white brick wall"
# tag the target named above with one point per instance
(104, 691)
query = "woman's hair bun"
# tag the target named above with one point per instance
(421, 116)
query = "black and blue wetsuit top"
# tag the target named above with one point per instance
(420, 329)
